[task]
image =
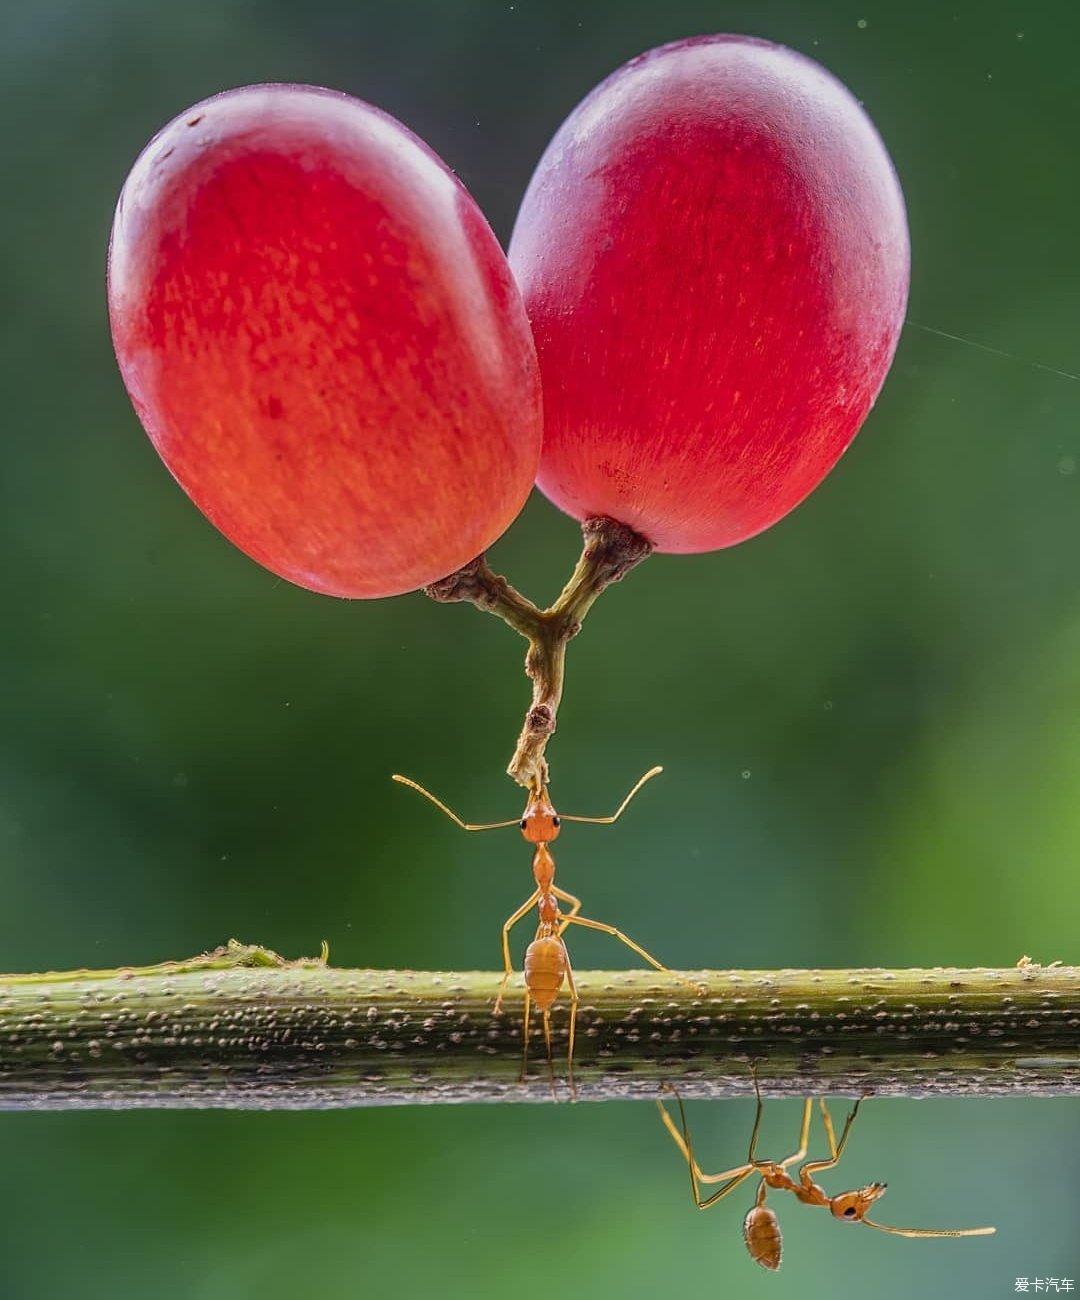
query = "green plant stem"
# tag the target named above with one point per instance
(611, 550)
(240, 1027)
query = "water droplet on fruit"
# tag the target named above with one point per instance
(746, 774)
(862, 23)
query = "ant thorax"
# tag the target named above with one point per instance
(776, 1176)
(543, 867)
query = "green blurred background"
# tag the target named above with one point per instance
(867, 715)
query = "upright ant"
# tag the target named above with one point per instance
(761, 1231)
(547, 964)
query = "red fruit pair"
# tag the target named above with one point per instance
(334, 358)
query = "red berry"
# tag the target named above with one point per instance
(323, 340)
(714, 256)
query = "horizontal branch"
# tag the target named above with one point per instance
(240, 1027)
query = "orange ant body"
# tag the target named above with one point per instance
(547, 963)
(761, 1231)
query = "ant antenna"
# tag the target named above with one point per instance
(931, 1232)
(608, 821)
(465, 826)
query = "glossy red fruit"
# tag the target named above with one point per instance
(714, 256)
(322, 338)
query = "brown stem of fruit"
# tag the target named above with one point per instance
(611, 550)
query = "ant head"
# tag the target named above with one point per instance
(853, 1205)
(540, 822)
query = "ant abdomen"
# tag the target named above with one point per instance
(545, 970)
(761, 1232)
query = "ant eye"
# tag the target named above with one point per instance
(850, 1211)
(524, 823)
(555, 820)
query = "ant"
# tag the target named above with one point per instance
(547, 964)
(761, 1231)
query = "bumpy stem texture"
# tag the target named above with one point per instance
(611, 550)
(242, 1028)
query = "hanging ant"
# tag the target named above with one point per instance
(547, 963)
(761, 1231)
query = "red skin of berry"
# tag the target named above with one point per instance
(321, 335)
(714, 256)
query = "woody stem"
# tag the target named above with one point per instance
(241, 1027)
(611, 550)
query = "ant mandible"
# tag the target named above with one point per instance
(761, 1231)
(547, 963)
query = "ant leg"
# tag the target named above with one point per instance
(836, 1149)
(758, 1111)
(680, 1142)
(830, 1132)
(636, 947)
(547, 1044)
(575, 907)
(734, 1177)
(508, 925)
(726, 1190)
(804, 1135)
(525, 1037)
(573, 1025)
